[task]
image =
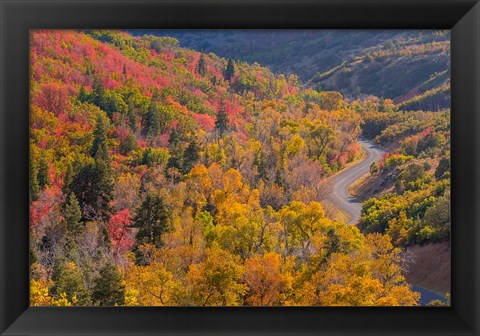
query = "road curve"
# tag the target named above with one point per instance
(342, 199)
(340, 196)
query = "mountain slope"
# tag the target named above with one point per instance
(162, 176)
(391, 64)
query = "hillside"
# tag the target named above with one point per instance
(163, 176)
(407, 194)
(391, 64)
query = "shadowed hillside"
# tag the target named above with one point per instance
(399, 65)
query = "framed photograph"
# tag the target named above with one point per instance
(234, 167)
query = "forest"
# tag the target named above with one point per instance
(164, 176)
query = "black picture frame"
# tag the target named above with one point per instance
(17, 17)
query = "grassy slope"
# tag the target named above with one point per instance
(431, 273)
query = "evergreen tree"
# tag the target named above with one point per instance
(174, 139)
(69, 280)
(112, 105)
(73, 215)
(93, 187)
(100, 146)
(34, 185)
(443, 168)
(279, 178)
(83, 95)
(230, 70)
(202, 66)
(99, 94)
(129, 144)
(152, 125)
(176, 151)
(332, 244)
(221, 122)
(43, 176)
(191, 155)
(105, 186)
(108, 288)
(152, 221)
(260, 161)
(67, 180)
(132, 117)
(89, 69)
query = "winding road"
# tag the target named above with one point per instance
(340, 196)
(342, 199)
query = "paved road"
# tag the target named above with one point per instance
(426, 296)
(340, 196)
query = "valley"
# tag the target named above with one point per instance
(164, 174)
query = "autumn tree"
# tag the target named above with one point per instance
(321, 137)
(217, 281)
(126, 192)
(39, 295)
(153, 284)
(399, 229)
(263, 275)
(373, 168)
(53, 97)
(330, 100)
(301, 225)
(119, 231)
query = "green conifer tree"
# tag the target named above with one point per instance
(108, 288)
(202, 66)
(99, 95)
(152, 125)
(34, 185)
(99, 147)
(176, 150)
(73, 215)
(83, 95)
(230, 70)
(132, 117)
(67, 279)
(221, 121)
(67, 180)
(152, 221)
(43, 172)
(129, 144)
(93, 187)
(191, 155)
